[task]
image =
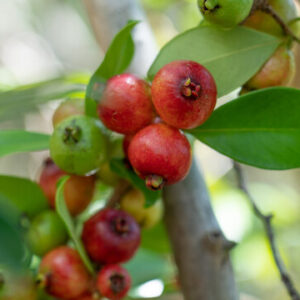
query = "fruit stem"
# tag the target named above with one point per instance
(72, 134)
(190, 89)
(155, 182)
(117, 283)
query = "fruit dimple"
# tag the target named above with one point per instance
(154, 182)
(121, 225)
(117, 283)
(72, 134)
(190, 89)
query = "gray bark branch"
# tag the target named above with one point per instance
(266, 219)
(200, 248)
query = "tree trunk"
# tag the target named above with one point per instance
(200, 248)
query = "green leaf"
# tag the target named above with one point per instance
(146, 265)
(116, 61)
(13, 253)
(232, 56)
(261, 129)
(23, 194)
(156, 239)
(63, 212)
(118, 166)
(15, 102)
(13, 141)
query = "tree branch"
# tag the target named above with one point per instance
(201, 251)
(121, 188)
(265, 6)
(267, 222)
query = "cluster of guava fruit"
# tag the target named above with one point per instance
(149, 118)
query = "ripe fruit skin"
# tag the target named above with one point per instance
(113, 282)
(68, 108)
(184, 94)
(133, 202)
(111, 236)
(125, 105)
(78, 190)
(264, 22)
(46, 232)
(49, 178)
(78, 145)
(277, 71)
(78, 193)
(160, 150)
(65, 274)
(87, 296)
(226, 13)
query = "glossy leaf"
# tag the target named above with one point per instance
(156, 239)
(232, 56)
(261, 129)
(13, 253)
(25, 195)
(14, 141)
(63, 212)
(116, 61)
(118, 166)
(14, 102)
(147, 265)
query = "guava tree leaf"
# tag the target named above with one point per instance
(116, 61)
(13, 252)
(261, 129)
(232, 56)
(156, 239)
(118, 166)
(154, 266)
(63, 212)
(15, 102)
(14, 141)
(25, 195)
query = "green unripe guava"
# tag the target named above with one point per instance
(46, 232)
(226, 13)
(78, 145)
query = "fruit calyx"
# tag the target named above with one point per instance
(42, 280)
(210, 5)
(155, 182)
(121, 226)
(190, 90)
(117, 283)
(72, 134)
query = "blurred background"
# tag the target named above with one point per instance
(54, 40)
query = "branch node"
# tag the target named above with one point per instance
(217, 243)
